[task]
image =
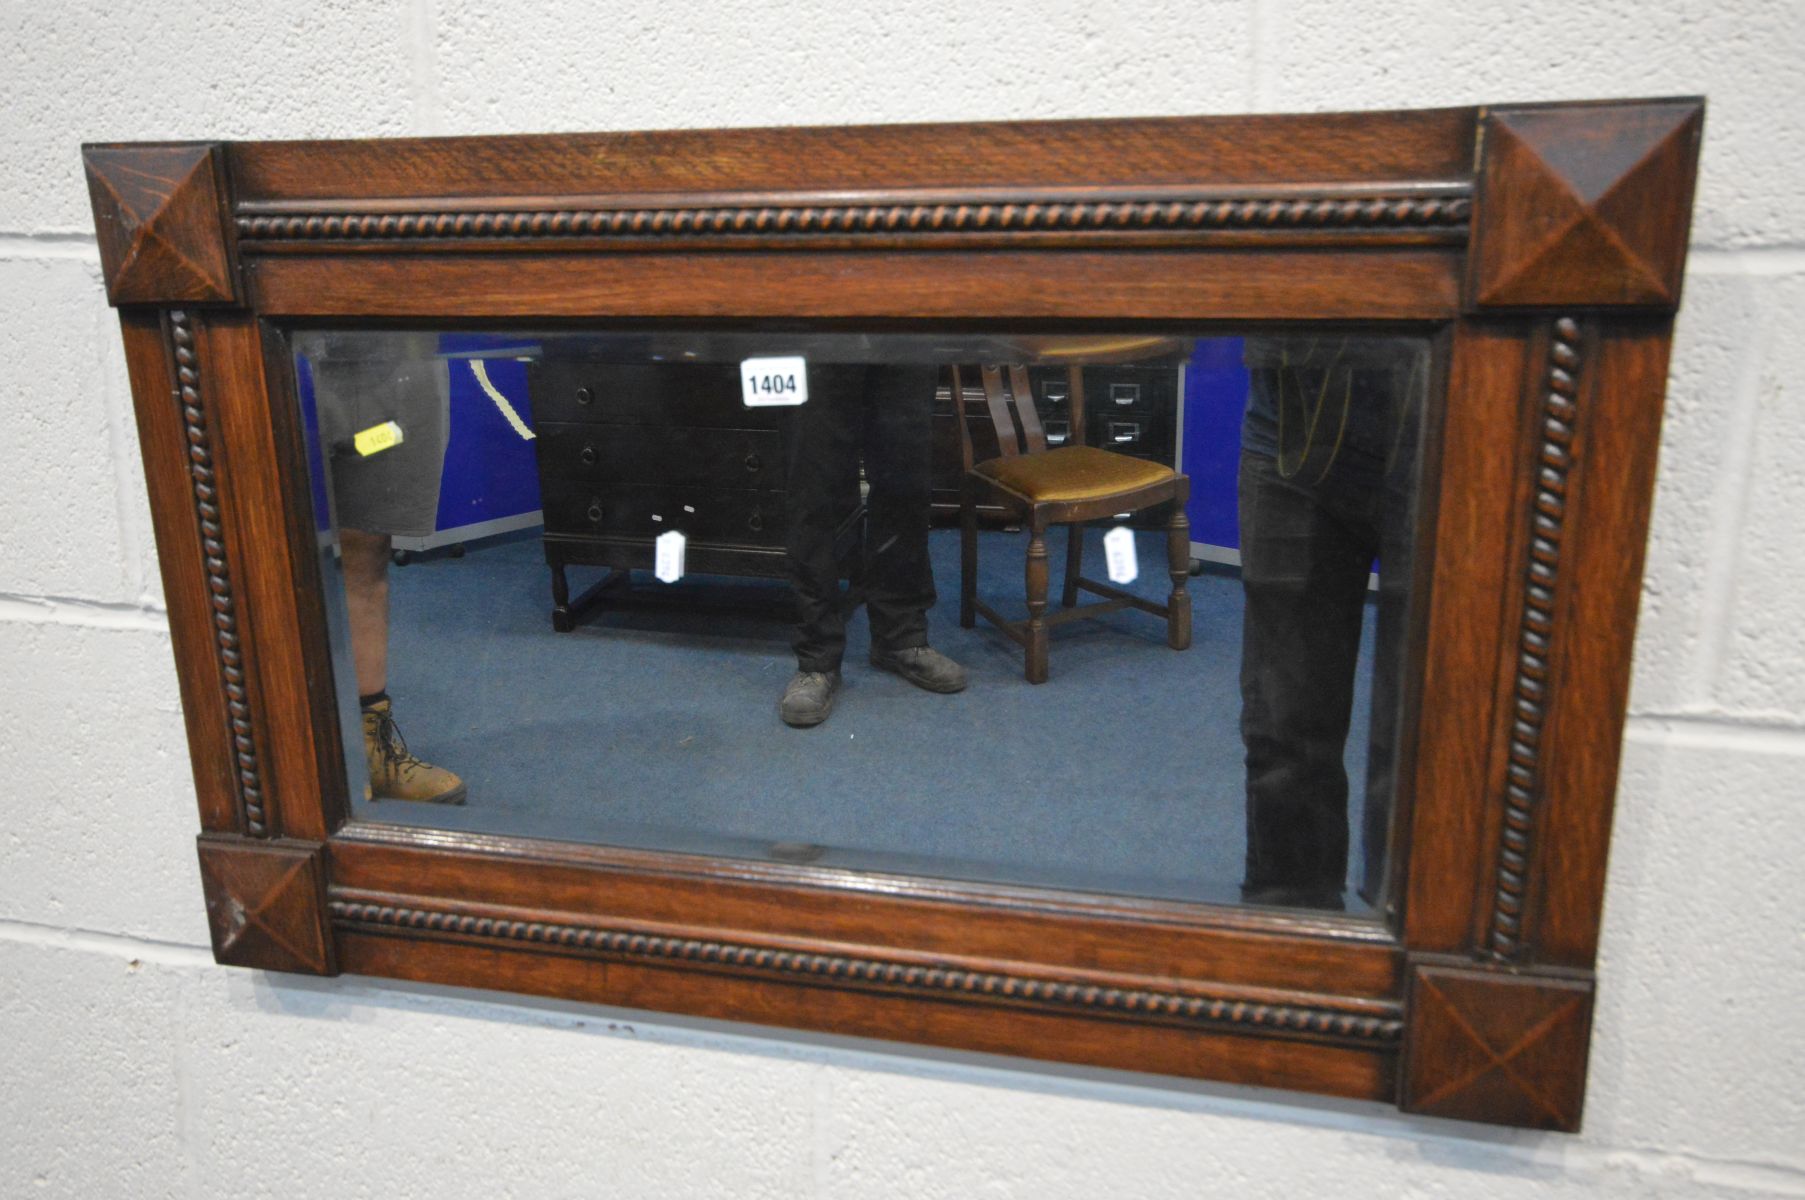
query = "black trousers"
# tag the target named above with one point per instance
(1306, 549)
(880, 415)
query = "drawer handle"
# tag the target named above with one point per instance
(585, 396)
(754, 462)
(595, 512)
(587, 454)
(756, 521)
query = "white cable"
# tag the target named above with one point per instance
(507, 410)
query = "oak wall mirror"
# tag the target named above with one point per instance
(1151, 593)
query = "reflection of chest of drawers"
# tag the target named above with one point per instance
(629, 451)
(1130, 410)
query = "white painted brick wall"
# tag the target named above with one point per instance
(1765, 616)
(651, 65)
(133, 1067)
(60, 423)
(1331, 53)
(90, 71)
(97, 828)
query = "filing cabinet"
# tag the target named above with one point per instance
(627, 451)
(1130, 410)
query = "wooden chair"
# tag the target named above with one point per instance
(1067, 485)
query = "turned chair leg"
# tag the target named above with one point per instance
(968, 558)
(1037, 603)
(1074, 562)
(1178, 563)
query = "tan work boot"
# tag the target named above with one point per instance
(397, 775)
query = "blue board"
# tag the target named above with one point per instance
(1215, 399)
(490, 473)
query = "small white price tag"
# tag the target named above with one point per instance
(1118, 552)
(668, 565)
(767, 382)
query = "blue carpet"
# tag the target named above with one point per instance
(658, 728)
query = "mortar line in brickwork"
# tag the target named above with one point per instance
(79, 247)
(131, 511)
(1260, 25)
(426, 100)
(1744, 260)
(1729, 519)
(1752, 734)
(95, 614)
(1752, 1176)
(1251, 85)
(133, 949)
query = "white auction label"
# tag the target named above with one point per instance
(668, 563)
(1118, 552)
(767, 382)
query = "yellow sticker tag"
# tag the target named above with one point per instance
(377, 438)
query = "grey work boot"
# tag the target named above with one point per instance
(923, 666)
(808, 698)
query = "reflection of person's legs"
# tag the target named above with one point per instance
(1304, 576)
(899, 576)
(899, 580)
(374, 497)
(395, 774)
(820, 489)
(883, 411)
(366, 564)
(1401, 389)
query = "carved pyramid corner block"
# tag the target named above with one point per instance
(159, 219)
(1496, 1045)
(1584, 206)
(266, 904)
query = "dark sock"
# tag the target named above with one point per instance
(373, 699)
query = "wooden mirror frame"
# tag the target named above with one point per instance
(1542, 245)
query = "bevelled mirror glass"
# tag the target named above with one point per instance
(1115, 610)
